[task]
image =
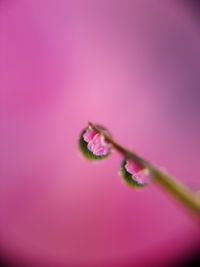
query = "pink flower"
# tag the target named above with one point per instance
(96, 143)
(89, 135)
(139, 174)
(132, 167)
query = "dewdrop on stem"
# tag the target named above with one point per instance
(134, 174)
(93, 144)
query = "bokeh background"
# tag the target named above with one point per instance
(132, 66)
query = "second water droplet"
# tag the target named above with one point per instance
(134, 174)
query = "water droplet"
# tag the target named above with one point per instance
(134, 174)
(93, 145)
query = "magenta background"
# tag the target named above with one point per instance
(129, 65)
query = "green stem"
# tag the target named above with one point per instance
(186, 196)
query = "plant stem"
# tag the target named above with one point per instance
(186, 196)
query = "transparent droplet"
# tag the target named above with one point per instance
(93, 145)
(134, 174)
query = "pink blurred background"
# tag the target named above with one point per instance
(132, 66)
